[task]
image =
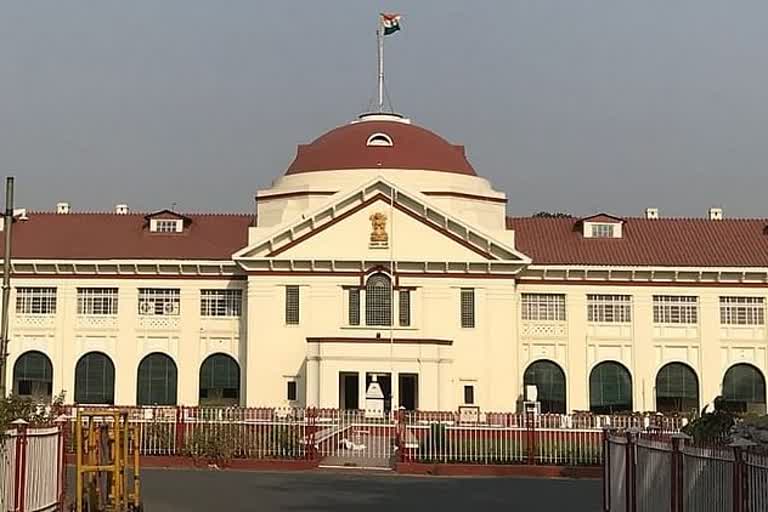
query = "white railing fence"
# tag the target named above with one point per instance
(32, 469)
(384, 437)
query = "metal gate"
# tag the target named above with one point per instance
(356, 439)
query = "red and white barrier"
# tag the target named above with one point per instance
(32, 469)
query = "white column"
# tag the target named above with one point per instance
(313, 375)
(644, 354)
(579, 362)
(711, 357)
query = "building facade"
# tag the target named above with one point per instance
(380, 255)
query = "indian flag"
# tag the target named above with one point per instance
(390, 23)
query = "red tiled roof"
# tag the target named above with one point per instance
(553, 241)
(646, 242)
(412, 147)
(110, 236)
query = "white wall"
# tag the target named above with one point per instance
(126, 338)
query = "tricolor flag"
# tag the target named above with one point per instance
(390, 23)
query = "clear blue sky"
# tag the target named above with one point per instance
(570, 105)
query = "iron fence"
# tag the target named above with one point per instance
(643, 473)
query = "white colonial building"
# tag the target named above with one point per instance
(381, 255)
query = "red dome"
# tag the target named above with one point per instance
(370, 144)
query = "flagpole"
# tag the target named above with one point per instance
(380, 40)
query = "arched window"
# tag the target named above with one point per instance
(677, 389)
(219, 381)
(33, 375)
(744, 387)
(610, 389)
(378, 300)
(379, 139)
(156, 380)
(95, 379)
(549, 380)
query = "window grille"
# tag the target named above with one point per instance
(602, 230)
(95, 379)
(404, 308)
(33, 375)
(159, 301)
(674, 309)
(549, 380)
(36, 301)
(543, 307)
(157, 380)
(609, 308)
(354, 306)
(292, 305)
(467, 307)
(378, 301)
(219, 381)
(677, 389)
(744, 389)
(742, 310)
(97, 301)
(227, 303)
(610, 389)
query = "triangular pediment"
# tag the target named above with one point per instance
(379, 222)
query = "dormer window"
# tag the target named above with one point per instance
(379, 139)
(601, 226)
(166, 225)
(602, 230)
(167, 221)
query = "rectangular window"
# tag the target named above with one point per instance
(354, 306)
(469, 394)
(167, 226)
(159, 301)
(467, 308)
(292, 305)
(543, 307)
(291, 391)
(609, 308)
(404, 308)
(36, 301)
(742, 310)
(675, 309)
(226, 303)
(97, 301)
(602, 230)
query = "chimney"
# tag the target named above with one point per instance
(651, 213)
(62, 208)
(715, 214)
(121, 209)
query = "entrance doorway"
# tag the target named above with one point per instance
(349, 390)
(385, 381)
(408, 391)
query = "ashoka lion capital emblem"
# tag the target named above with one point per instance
(379, 228)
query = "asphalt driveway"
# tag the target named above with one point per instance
(241, 491)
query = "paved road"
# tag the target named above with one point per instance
(241, 491)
